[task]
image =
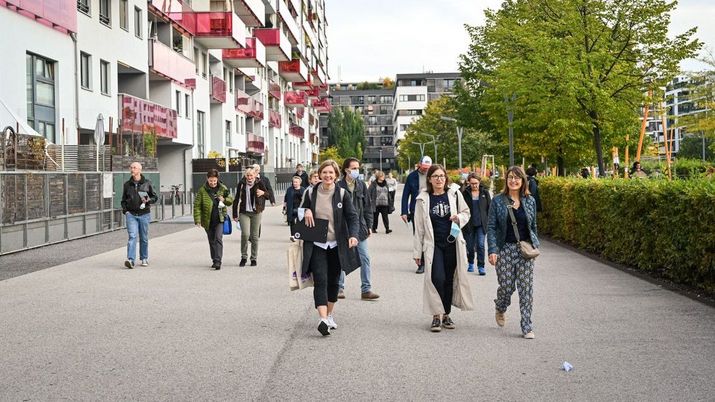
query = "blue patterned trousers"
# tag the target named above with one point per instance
(515, 272)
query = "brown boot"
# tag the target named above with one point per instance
(500, 316)
(370, 295)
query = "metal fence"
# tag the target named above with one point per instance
(42, 208)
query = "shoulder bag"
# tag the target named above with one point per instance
(528, 251)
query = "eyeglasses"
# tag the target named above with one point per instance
(438, 176)
(513, 178)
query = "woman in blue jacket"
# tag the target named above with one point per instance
(513, 270)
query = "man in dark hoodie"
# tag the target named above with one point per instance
(138, 194)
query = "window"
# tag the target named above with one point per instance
(177, 100)
(200, 119)
(228, 133)
(105, 14)
(85, 68)
(104, 77)
(40, 75)
(371, 99)
(412, 98)
(138, 22)
(196, 60)
(230, 82)
(203, 64)
(83, 6)
(187, 106)
(124, 14)
(357, 100)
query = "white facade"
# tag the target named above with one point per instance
(150, 51)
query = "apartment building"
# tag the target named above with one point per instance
(375, 107)
(413, 92)
(245, 79)
(677, 102)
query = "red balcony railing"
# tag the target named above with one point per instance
(277, 45)
(322, 105)
(253, 55)
(274, 90)
(177, 11)
(255, 144)
(248, 105)
(300, 112)
(140, 116)
(218, 90)
(304, 84)
(293, 70)
(297, 131)
(256, 110)
(214, 30)
(274, 119)
(296, 98)
(166, 62)
(313, 92)
(58, 14)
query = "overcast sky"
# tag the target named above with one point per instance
(369, 39)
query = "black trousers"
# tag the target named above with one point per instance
(384, 211)
(444, 265)
(215, 235)
(325, 265)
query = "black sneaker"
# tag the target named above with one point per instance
(447, 322)
(254, 263)
(323, 328)
(216, 265)
(435, 325)
(129, 264)
(388, 231)
(420, 269)
(242, 263)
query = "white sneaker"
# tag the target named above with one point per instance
(529, 335)
(331, 322)
(323, 327)
(145, 263)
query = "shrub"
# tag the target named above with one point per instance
(658, 226)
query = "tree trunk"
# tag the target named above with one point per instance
(560, 162)
(597, 143)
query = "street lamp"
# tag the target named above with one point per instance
(380, 158)
(422, 147)
(459, 136)
(434, 142)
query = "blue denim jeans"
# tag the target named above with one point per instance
(364, 268)
(138, 225)
(475, 244)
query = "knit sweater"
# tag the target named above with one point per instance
(324, 209)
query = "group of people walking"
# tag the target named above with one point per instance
(449, 224)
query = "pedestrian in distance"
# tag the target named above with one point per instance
(291, 202)
(248, 207)
(416, 182)
(357, 189)
(513, 270)
(313, 178)
(392, 188)
(534, 186)
(137, 196)
(636, 171)
(379, 193)
(327, 201)
(475, 231)
(300, 172)
(440, 213)
(210, 210)
(270, 195)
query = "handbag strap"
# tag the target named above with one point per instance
(513, 222)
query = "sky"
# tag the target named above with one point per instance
(369, 39)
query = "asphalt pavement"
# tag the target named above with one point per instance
(89, 329)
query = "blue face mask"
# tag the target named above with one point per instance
(354, 174)
(453, 232)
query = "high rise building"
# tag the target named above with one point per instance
(179, 79)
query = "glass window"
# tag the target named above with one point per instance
(228, 133)
(138, 22)
(124, 14)
(83, 6)
(105, 15)
(85, 67)
(200, 118)
(187, 105)
(104, 76)
(178, 103)
(40, 91)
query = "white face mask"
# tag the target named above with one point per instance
(355, 173)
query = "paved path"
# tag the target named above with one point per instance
(91, 330)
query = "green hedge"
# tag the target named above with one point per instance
(657, 226)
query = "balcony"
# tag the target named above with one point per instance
(215, 30)
(289, 22)
(140, 116)
(249, 106)
(218, 90)
(274, 90)
(256, 109)
(296, 99)
(278, 47)
(293, 71)
(255, 144)
(304, 84)
(252, 56)
(175, 11)
(300, 112)
(297, 131)
(274, 119)
(312, 92)
(251, 12)
(253, 85)
(169, 64)
(322, 105)
(319, 77)
(57, 14)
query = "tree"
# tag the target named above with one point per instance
(346, 132)
(331, 153)
(691, 147)
(574, 72)
(387, 83)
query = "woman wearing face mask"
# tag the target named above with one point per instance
(513, 270)
(209, 212)
(250, 203)
(440, 212)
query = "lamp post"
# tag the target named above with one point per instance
(422, 147)
(434, 142)
(380, 158)
(459, 136)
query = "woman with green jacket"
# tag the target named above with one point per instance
(210, 211)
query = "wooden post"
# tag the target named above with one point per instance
(625, 172)
(666, 140)
(646, 109)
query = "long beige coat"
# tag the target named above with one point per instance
(424, 243)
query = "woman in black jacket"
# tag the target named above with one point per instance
(475, 231)
(328, 201)
(248, 207)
